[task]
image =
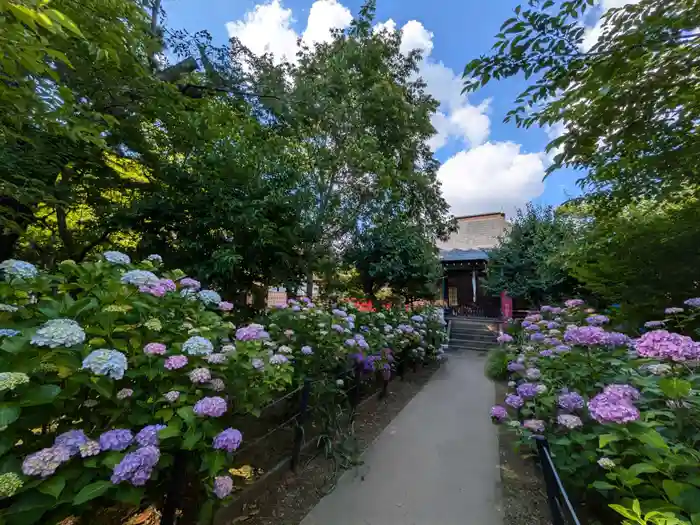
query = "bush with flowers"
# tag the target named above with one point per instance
(115, 374)
(621, 413)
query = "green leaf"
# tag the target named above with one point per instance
(65, 22)
(602, 485)
(192, 437)
(172, 430)
(92, 491)
(642, 468)
(206, 513)
(685, 496)
(102, 386)
(8, 414)
(165, 414)
(652, 438)
(604, 439)
(130, 495)
(40, 395)
(53, 486)
(187, 414)
(675, 388)
(625, 512)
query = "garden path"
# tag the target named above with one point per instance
(436, 464)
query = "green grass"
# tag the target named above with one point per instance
(496, 367)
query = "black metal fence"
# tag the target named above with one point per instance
(560, 507)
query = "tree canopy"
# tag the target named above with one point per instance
(240, 171)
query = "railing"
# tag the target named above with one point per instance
(560, 507)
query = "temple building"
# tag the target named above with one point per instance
(464, 257)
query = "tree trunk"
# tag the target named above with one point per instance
(310, 284)
(19, 214)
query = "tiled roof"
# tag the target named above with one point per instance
(463, 255)
(476, 232)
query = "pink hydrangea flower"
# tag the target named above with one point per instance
(225, 306)
(154, 348)
(661, 344)
(175, 362)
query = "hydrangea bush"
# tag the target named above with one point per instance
(115, 375)
(620, 412)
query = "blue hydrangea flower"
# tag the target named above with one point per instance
(278, 359)
(117, 439)
(59, 332)
(148, 435)
(307, 350)
(188, 293)
(229, 440)
(71, 440)
(18, 269)
(209, 297)
(136, 467)
(116, 257)
(198, 345)
(89, 448)
(105, 362)
(45, 462)
(140, 278)
(9, 332)
(417, 318)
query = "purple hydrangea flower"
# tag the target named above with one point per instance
(118, 439)
(71, 440)
(515, 367)
(537, 337)
(225, 306)
(175, 362)
(693, 302)
(661, 344)
(252, 332)
(613, 406)
(278, 359)
(527, 390)
(562, 349)
(337, 328)
(154, 348)
(216, 359)
(571, 401)
(597, 320)
(505, 338)
(350, 342)
(136, 467)
(514, 401)
(45, 462)
(654, 324)
(190, 283)
(627, 392)
(533, 373)
(546, 353)
(229, 440)
(552, 325)
(534, 425)
(585, 335)
(217, 385)
(148, 435)
(673, 310)
(307, 350)
(498, 413)
(210, 406)
(223, 485)
(573, 303)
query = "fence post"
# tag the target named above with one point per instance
(550, 483)
(301, 419)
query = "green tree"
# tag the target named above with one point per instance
(528, 261)
(364, 121)
(396, 254)
(628, 105)
(644, 258)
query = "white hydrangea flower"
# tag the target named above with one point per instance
(59, 332)
(19, 269)
(154, 257)
(8, 308)
(606, 463)
(284, 350)
(228, 349)
(339, 382)
(116, 257)
(209, 297)
(11, 380)
(140, 278)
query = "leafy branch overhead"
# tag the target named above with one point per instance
(626, 102)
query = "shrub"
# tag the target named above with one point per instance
(496, 367)
(115, 378)
(621, 415)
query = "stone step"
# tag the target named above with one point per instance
(489, 339)
(467, 349)
(482, 346)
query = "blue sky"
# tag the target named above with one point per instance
(487, 165)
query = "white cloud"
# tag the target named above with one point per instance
(268, 28)
(415, 36)
(324, 16)
(492, 177)
(593, 33)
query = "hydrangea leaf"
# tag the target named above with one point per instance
(53, 486)
(40, 395)
(8, 414)
(92, 491)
